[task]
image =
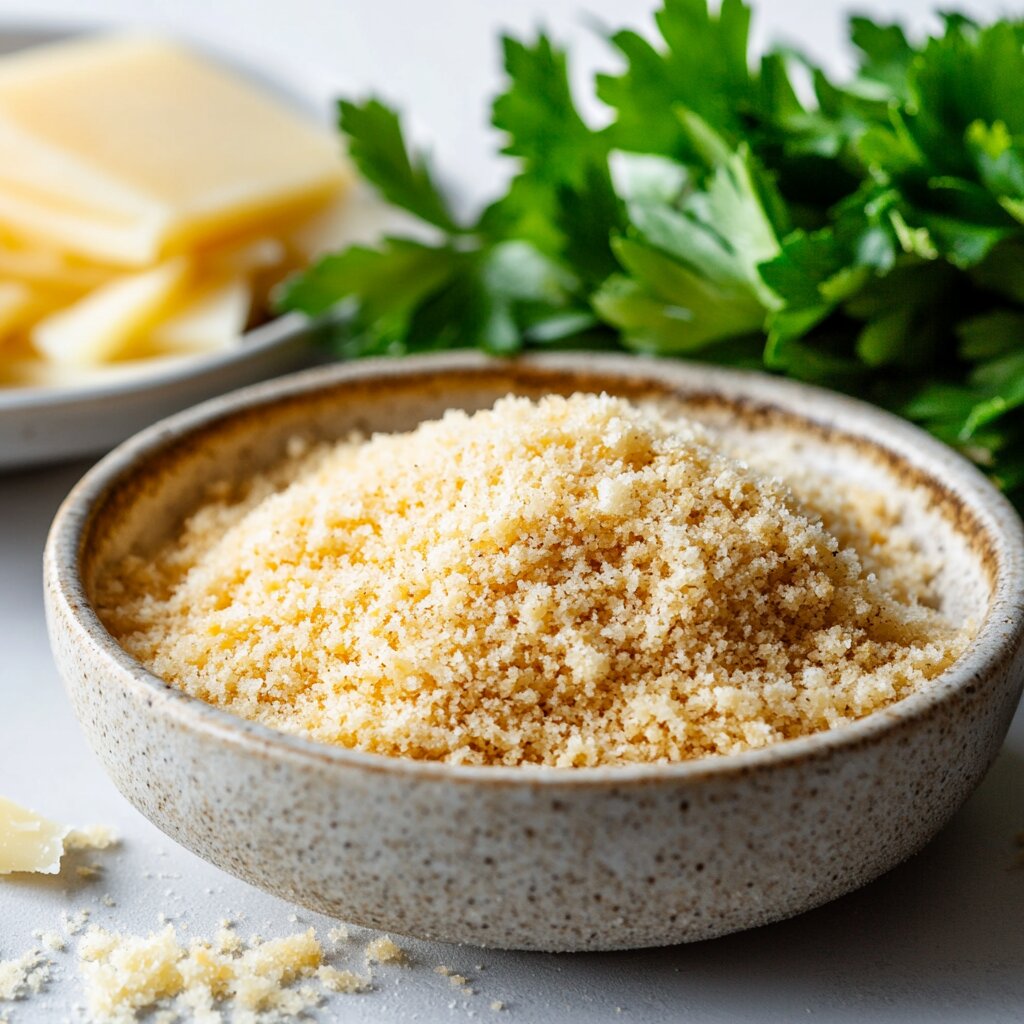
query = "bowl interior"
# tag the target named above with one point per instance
(230, 439)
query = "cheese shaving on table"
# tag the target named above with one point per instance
(570, 582)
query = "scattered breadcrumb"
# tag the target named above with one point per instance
(88, 870)
(92, 837)
(335, 980)
(456, 980)
(442, 970)
(338, 934)
(571, 582)
(227, 940)
(123, 975)
(497, 1004)
(384, 951)
(25, 975)
(74, 923)
(108, 900)
(53, 941)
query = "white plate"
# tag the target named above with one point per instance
(54, 424)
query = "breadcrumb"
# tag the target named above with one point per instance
(570, 582)
(53, 941)
(74, 923)
(348, 982)
(384, 951)
(24, 975)
(92, 837)
(123, 975)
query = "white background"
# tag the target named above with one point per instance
(939, 939)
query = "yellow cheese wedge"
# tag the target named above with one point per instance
(124, 149)
(214, 319)
(103, 325)
(28, 841)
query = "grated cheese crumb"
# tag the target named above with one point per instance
(384, 951)
(569, 582)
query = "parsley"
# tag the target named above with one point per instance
(868, 238)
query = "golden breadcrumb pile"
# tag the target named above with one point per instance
(573, 581)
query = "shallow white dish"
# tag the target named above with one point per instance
(41, 425)
(45, 425)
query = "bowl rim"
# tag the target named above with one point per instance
(1000, 636)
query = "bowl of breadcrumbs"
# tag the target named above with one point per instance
(569, 652)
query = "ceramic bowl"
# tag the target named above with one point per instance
(549, 859)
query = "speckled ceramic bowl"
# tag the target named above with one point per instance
(557, 859)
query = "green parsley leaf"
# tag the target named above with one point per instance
(377, 145)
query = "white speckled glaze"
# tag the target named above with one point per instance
(552, 859)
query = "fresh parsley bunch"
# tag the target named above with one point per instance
(870, 239)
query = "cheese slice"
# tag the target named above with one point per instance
(124, 149)
(214, 319)
(18, 303)
(51, 269)
(103, 325)
(28, 841)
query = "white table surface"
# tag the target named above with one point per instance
(940, 939)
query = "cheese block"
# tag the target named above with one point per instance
(28, 841)
(103, 325)
(124, 149)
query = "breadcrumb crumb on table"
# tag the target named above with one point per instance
(384, 951)
(24, 975)
(348, 982)
(123, 975)
(569, 582)
(92, 837)
(52, 941)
